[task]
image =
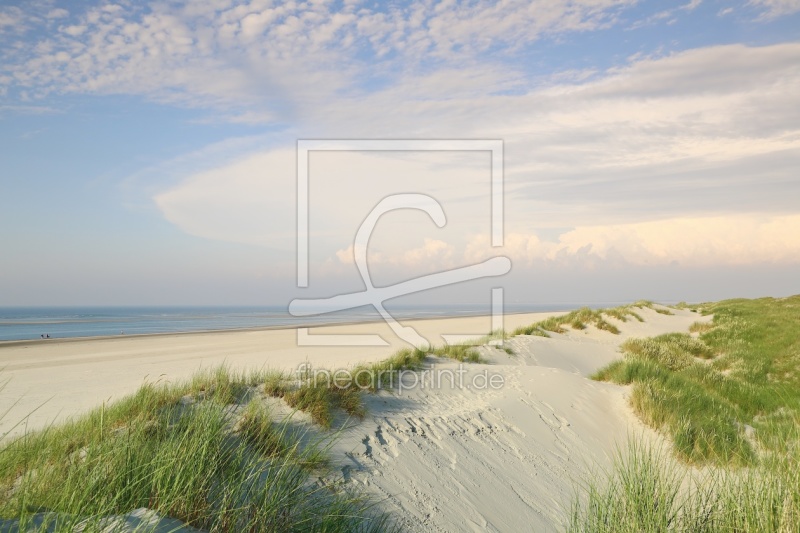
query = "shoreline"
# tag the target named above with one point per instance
(378, 320)
(45, 382)
(537, 429)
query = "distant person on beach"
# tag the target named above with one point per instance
(47, 336)
(42, 335)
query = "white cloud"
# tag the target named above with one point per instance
(741, 239)
(645, 135)
(776, 8)
(296, 54)
(433, 252)
(10, 16)
(729, 240)
(28, 109)
(589, 149)
(668, 15)
(692, 5)
(57, 13)
(74, 31)
(609, 151)
(246, 202)
(252, 199)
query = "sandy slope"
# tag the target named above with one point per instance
(450, 459)
(54, 379)
(454, 457)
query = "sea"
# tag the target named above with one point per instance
(24, 323)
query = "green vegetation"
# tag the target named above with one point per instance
(497, 339)
(466, 353)
(276, 383)
(384, 373)
(701, 327)
(319, 398)
(743, 371)
(582, 318)
(647, 491)
(205, 451)
(197, 451)
(321, 392)
(728, 400)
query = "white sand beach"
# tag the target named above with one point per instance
(462, 459)
(51, 380)
(455, 457)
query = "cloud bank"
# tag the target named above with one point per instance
(617, 157)
(228, 55)
(734, 240)
(682, 156)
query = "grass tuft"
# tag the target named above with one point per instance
(646, 490)
(183, 451)
(276, 384)
(374, 376)
(466, 353)
(724, 397)
(582, 318)
(675, 351)
(258, 429)
(701, 327)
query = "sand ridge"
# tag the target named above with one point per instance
(440, 458)
(452, 459)
(50, 381)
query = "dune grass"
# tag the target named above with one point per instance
(584, 317)
(321, 392)
(198, 451)
(701, 327)
(718, 396)
(465, 353)
(205, 451)
(384, 373)
(647, 491)
(321, 398)
(729, 401)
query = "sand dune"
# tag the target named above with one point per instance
(451, 459)
(47, 381)
(455, 456)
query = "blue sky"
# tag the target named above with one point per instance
(147, 149)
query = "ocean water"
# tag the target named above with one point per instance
(22, 323)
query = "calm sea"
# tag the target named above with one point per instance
(21, 323)
(61, 322)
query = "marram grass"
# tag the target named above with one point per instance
(729, 401)
(191, 451)
(647, 491)
(205, 451)
(718, 395)
(584, 317)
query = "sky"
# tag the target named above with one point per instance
(148, 150)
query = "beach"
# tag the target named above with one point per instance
(477, 458)
(50, 380)
(452, 455)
